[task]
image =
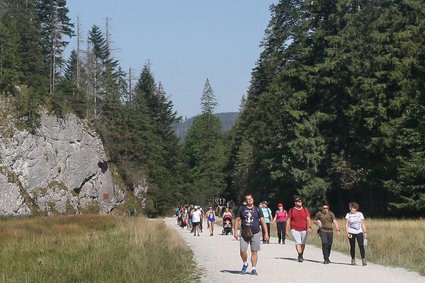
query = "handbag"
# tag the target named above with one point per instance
(247, 234)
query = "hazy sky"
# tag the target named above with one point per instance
(186, 42)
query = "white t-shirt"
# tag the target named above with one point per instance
(196, 216)
(355, 222)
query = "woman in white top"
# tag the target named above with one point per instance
(356, 229)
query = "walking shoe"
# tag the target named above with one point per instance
(300, 258)
(244, 268)
(254, 272)
(364, 263)
(326, 261)
(353, 261)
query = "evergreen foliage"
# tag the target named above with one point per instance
(334, 108)
(137, 133)
(54, 25)
(205, 152)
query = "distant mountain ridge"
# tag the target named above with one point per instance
(227, 119)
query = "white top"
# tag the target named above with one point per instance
(355, 222)
(196, 215)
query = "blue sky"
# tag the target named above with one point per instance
(185, 41)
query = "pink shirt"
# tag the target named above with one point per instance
(281, 215)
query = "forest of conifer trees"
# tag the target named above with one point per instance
(335, 108)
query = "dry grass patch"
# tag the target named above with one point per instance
(92, 248)
(399, 243)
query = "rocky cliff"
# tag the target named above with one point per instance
(61, 168)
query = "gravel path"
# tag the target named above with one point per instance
(219, 261)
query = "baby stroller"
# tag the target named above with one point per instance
(227, 225)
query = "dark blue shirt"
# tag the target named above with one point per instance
(250, 218)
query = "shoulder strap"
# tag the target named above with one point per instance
(258, 211)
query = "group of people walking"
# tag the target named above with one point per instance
(254, 223)
(192, 216)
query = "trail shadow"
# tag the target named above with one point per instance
(287, 258)
(340, 263)
(311, 260)
(231, 271)
(314, 261)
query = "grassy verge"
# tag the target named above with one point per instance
(399, 243)
(92, 248)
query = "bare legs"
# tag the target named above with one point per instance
(254, 257)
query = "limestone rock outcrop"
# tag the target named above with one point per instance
(61, 168)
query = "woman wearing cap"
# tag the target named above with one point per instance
(280, 216)
(298, 224)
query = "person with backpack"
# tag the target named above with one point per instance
(267, 218)
(250, 217)
(280, 216)
(298, 225)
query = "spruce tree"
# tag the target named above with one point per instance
(10, 72)
(54, 25)
(204, 151)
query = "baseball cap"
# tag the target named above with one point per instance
(280, 204)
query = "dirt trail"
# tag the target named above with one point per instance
(218, 260)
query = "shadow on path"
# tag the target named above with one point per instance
(231, 271)
(310, 260)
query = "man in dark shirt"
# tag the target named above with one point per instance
(250, 216)
(325, 220)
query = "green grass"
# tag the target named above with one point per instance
(92, 248)
(399, 243)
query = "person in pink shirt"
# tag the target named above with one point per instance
(280, 218)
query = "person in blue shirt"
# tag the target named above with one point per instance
(249, 217)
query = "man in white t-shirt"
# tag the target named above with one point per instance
(196, 220)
